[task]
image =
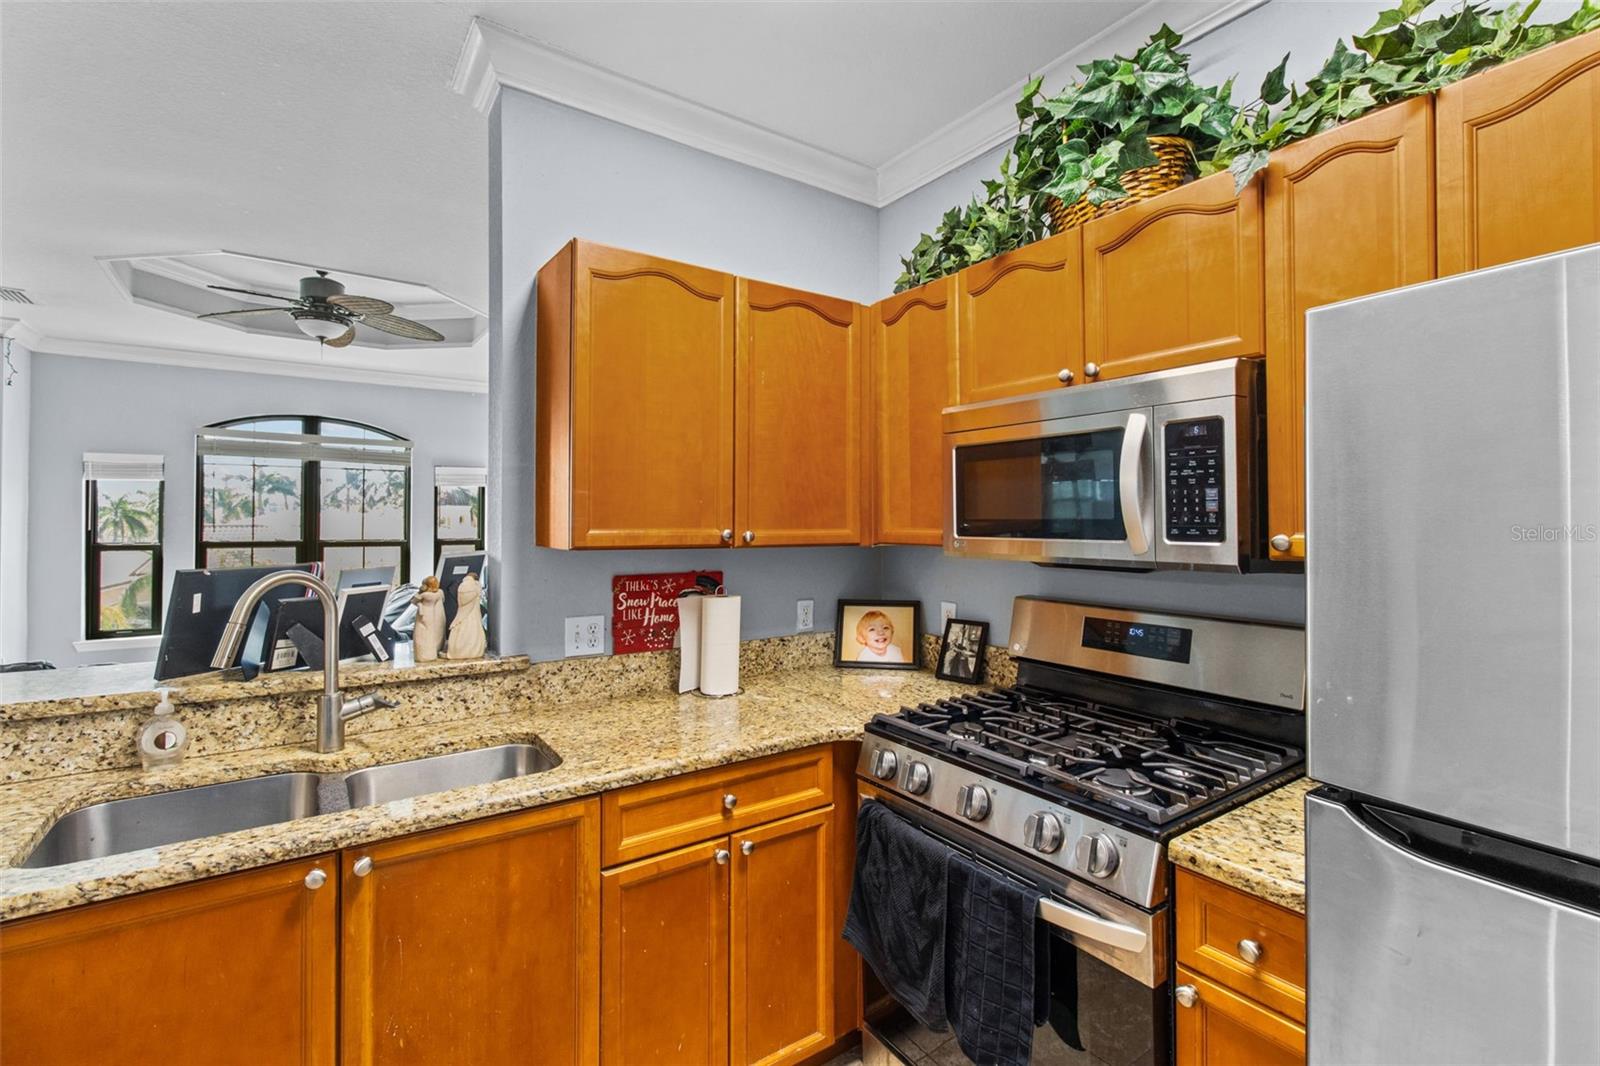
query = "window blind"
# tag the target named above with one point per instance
(460, 477)
(118, 466)
(302, 447)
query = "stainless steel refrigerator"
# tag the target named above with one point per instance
(1453, 586)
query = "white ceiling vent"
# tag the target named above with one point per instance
(14, 296)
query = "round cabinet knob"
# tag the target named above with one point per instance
(727, 536)
(1064, 376)
(721, 856)
(884, 764)
(973, 802)
(1281, 542)
(747, 847)
(1250, 951)
(1099, 854)
(918, 778)
(362, 866)
(1091, 370)
(316, 879)
(729, 801)
(749, 536)
(1042, 831)
(1186, 995)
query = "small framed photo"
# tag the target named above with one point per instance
(877, 634)
(962, 651)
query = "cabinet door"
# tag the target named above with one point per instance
(1348, 213)
(798, 466)
(651, 401)
(664, 958)
(1022, 320)
(1519, 158)
(236, 969)
(1174, 280)
(475, 943)
(1223, 1028)
(914, 362)
(783, 940)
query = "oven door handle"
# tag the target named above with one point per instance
(1130, 482)
(1082, 923)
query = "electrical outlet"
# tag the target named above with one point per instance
(947, 611)
(804, 615)
(586, 635)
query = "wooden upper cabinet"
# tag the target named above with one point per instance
(1021, 317)
(664, 958)
(235, 969)
(1173, 280)
(783, 940)
(1348, 213)
(798, 452)
(477, 943)
(913, 369)
(635, 401)
(1519, 158)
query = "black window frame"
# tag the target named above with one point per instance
(94, 551)
(475, 543)
(311, 545)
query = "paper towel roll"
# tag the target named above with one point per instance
(719, 645)
(689, 642)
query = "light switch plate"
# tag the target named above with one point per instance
(804, 616)
(947, 611)
(586, 635)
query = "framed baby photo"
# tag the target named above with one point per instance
(961, 652)
(877, 634)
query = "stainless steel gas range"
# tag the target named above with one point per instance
(1125, 729)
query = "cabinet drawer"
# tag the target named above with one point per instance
(659, 815)
(1214, 921)
(1222, 1028)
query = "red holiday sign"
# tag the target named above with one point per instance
(644, 608)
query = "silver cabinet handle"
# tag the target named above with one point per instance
(1091, 370)
(727, 536)
(1250, 951)
(316, 879)
(1280, 542)
(722, 856)
(1064, 376)
(1186, 995)
(749, 536)
(747, 847)
(729, 801)
(362, 866)
(1130, 474)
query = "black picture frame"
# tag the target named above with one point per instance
(848, 651)
(969, 661)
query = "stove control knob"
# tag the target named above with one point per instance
(884, 764)
(973, 802)
(1041, 831)
(1097, 853)
(917, 778)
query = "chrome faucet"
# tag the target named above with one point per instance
(333, 710)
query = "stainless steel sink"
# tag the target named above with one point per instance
(168, 817)
(380, 784)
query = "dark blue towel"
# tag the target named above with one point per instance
(994, 992)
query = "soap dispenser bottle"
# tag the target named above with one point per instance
(164, 740)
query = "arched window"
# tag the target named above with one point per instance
(301, 488)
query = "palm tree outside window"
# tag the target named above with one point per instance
(123, 513)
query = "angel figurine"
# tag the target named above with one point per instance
(428, 635)
(467, 640)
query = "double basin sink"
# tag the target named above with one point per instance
(119, 826)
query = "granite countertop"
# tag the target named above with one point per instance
(602, 744)
(1259, 848)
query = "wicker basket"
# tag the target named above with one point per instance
(1174, 166)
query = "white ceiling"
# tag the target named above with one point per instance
(326, 133)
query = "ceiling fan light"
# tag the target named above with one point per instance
(323, 329)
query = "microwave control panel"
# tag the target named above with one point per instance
(1195, 489)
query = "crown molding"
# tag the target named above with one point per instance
(17, 330)
(494, 56)
(247, 364)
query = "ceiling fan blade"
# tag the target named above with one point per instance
(342, 340)
(402, 327)
(245, 311)
(252, 292)
(361, 305)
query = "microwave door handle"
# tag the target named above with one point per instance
(1130, 477)
(1092, 926)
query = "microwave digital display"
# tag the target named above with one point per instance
(1171, 643)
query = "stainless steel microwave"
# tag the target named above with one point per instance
(1161, 470)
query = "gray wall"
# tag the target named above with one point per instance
(556, 173)
(14, 432)
(88, 405)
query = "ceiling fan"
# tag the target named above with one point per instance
(326, 312)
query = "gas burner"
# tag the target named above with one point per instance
(1127, 782)
(967, 730)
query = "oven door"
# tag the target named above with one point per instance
(1118, 953)
(1064, 490)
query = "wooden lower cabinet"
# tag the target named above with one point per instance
(235, 969)
(477, 943)
(1223, 1028)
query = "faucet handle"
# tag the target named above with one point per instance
(355, 708)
